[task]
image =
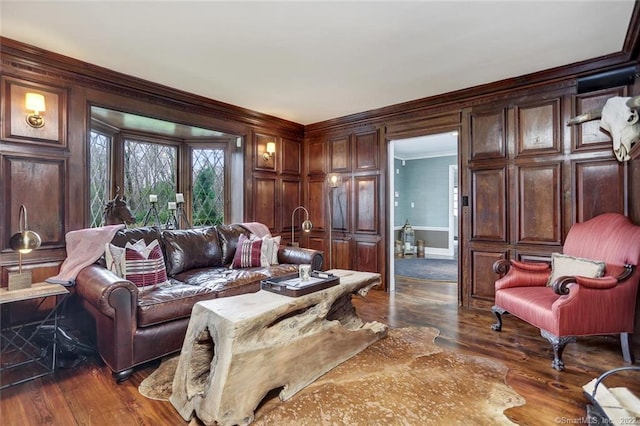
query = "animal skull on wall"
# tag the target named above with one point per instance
(619, 117)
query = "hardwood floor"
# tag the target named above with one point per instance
(87, 395)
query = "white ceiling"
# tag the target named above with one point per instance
(312, 61)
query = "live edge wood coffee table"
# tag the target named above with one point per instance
(239, 348)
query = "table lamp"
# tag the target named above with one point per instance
(24, 241)
(306, 225)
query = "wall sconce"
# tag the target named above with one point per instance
(271, 150)
(306, 225)
(23, 241)
(35, 102)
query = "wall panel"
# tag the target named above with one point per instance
(265, 201)
(366, 256)
(366, 204)
(538, 207)
(291, 198)
(341, 215)
(599, 187)
(483, 277)
(260, 147)
(341, 253)
(489, 197)
(317, 196)
(538, 128)
(340, 154)
(366, 151)
(291, 156)
(488, 135)
(316, 156)
(588, 135)
(23, 179)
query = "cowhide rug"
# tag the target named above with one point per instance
(403, 379)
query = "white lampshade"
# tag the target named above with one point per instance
(35, 102)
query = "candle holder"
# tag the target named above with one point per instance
(172, 221)
(181, 215)
(152, 213)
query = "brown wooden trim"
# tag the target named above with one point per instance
(466, 97)
(35, 60)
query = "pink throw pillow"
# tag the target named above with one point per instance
(248, 253)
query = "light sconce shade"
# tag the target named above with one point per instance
(334, 180)
(306, 225)
(23, 242)
(35, 102)
(271, 150)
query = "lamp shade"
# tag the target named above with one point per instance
(34, 102)
(24, 241)
(271, 147)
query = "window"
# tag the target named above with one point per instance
(208, 177)
(144, 165)
(150, 168)
(99, 160)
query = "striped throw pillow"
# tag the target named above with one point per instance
(248, 253)
(140, 263)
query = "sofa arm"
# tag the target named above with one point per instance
(300, 256)
(102, 289)
(514, 273)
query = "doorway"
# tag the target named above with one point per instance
(423, 222)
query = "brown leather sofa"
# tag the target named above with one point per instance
(133, 327)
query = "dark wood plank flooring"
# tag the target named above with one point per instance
(87, 395)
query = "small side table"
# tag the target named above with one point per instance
(28, 350)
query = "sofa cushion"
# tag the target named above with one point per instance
(270, 246)
(563, 265)
(229, 235)
(140, 263)
(192, 249)
(132, 235)
(248, 253)
(167, 303)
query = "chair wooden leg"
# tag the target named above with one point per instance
(498, 312)
(627, 352)
(558, 344)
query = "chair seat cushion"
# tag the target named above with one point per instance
(531, 304)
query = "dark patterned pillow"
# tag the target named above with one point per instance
(248, 253)
(140, 263)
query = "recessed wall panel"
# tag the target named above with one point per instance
(488, 135)
(538, 128)
(539, 189)
(489, 220)
(600, 188)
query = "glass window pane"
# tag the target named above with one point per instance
(99, 149)
(149, 168)
(207, 168)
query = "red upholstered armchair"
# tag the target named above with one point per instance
(571, 305)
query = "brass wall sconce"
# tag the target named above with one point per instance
(271, 150)
(306, 225)
(35, 102)
(24, 241)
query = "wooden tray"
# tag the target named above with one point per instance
(293, 286)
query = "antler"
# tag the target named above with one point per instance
(587, 116)
(634, 103)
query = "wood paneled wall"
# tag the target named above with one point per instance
(46, 169)
(527, 177)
